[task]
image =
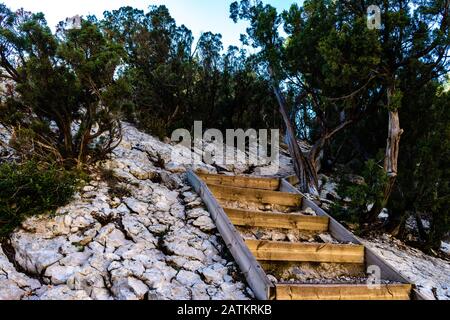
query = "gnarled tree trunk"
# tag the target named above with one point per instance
(304, 167)
(391, 157)
(392, 151)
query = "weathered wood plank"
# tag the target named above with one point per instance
(343, 292)
(256, 195)
(251, 269)
(306, 252)
(241, 181)
(262, 219)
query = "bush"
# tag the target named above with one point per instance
(65, 100)
(357, 197)
(30, 189)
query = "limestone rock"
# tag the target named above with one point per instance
(212, 276)
(205, 224)
(129, 289)
(137, 206)
(61, 293)
(35, 254)
(188, 278)
(156, 243)
(9, 290)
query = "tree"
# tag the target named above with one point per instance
(263, 33)
(414, 39)
(325, 66)
(176, 80)
(158, 68)
(65, 92)
(423, 182)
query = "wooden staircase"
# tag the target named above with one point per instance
(228, 199)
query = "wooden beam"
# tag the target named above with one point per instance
(256, 195)
(339, 232)
(293, 180)
(241, 181)
(343, 292)
(306, 252)
(250, 268)
(262, 219)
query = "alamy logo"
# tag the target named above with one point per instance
(73, 22)
(239, 147)
(374, 17)
(374, 277)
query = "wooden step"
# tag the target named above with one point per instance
(245, 218)
(241, 181)
(306, 252)
(256, 195)
(343, 292)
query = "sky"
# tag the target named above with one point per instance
(198, 15)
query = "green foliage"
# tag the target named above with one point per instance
(32, 189)
(65, 96)
(424, 179)
(175, 81)
(358, 197)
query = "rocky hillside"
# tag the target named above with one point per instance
(137, 231)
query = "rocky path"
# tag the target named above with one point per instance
(154, 241)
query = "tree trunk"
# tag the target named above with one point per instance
(391, 157)
(304, 168)
(392, 151)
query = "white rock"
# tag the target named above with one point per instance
(100, 294)
(122, 209)
(76, 259)
(205, 224)
(9, 290)
(192, 265)
(137, 206)
(176, 292)
(184, 250)
(102, 261)
(212, 276)
(88, 188)
(87, 279)
(35, 254)
(154, 278)
(135, 267)
(199, 292)
(188, 278)
(233, 291)
(197, 213)
(129, 289)
(327, 238)
(68, 220)
(59, 274)
(116, 239)
(309, 211)
(175, 167)
(61, 293)
(136, 230)
(190, 196)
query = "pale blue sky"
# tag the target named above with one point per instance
(197, 15)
